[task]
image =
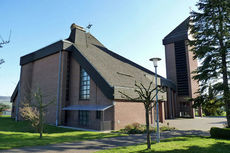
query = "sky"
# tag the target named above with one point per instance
(132, 28)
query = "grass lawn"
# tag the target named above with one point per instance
(5, 116)
(188, 144)
(19, 134)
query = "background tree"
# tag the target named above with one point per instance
(34, 110)
(3, 42)
(3, 107)
(212, 105)
(146, 96)
(210, 27)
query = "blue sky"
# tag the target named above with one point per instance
(131, 28)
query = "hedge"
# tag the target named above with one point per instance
(223, 133)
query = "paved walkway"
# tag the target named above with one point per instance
(185, 126)
(204, 123)
(96, 145)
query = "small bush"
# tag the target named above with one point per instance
(223, 133)
(129, 127)
(137, 128)
(167, 128)
(134, 128)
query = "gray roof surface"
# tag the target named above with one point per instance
(116, 70)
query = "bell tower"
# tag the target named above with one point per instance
(179, 67)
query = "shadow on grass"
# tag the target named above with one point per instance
(10, 125)
(11, 140)
(218, 147)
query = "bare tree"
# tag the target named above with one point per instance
(3, 42)
(146, 96)
(1, 61)
(35, 111)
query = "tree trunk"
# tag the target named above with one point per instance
(224, 71)
(41, 121)
(226, 91)
(147, 129)
(41, 130)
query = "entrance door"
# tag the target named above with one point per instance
(83, 117)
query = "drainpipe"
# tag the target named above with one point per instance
(170, 102)
(19, 96)
(59, 86)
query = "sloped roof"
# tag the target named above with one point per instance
(15, 93)
(179, 33)
(110, 71)
(119, 72)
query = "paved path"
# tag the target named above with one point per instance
(95, 145)
(204, 123)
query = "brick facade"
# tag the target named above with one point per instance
(179, 67)
(55, 70)
(40, 74)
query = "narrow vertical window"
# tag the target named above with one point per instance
(85, 85)
(98, 114)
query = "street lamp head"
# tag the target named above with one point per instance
(155, 60)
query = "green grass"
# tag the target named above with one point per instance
(188, 144)
(19, 134)
(5, 116)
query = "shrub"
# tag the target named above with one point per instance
(167, 128)
(137, 128)
(134, 128)
(128, 127)
(223, 133)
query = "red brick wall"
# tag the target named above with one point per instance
(171, 75)
(96, 98)
(194, 85)
(43, 74)
(128, 113)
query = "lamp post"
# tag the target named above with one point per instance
(155, 60)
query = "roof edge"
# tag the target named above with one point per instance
(13, 96)
(45, 51)
(174, 35)
(105, 87)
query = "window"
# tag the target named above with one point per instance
(83, 117)
(181, 68)
(84, 85)
(98, 114)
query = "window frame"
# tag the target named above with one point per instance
(83, 117)
(84, 89)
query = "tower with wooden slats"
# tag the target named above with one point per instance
(179, 67)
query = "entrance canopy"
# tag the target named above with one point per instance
(87, 107)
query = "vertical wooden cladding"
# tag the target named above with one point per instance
(181, 68)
